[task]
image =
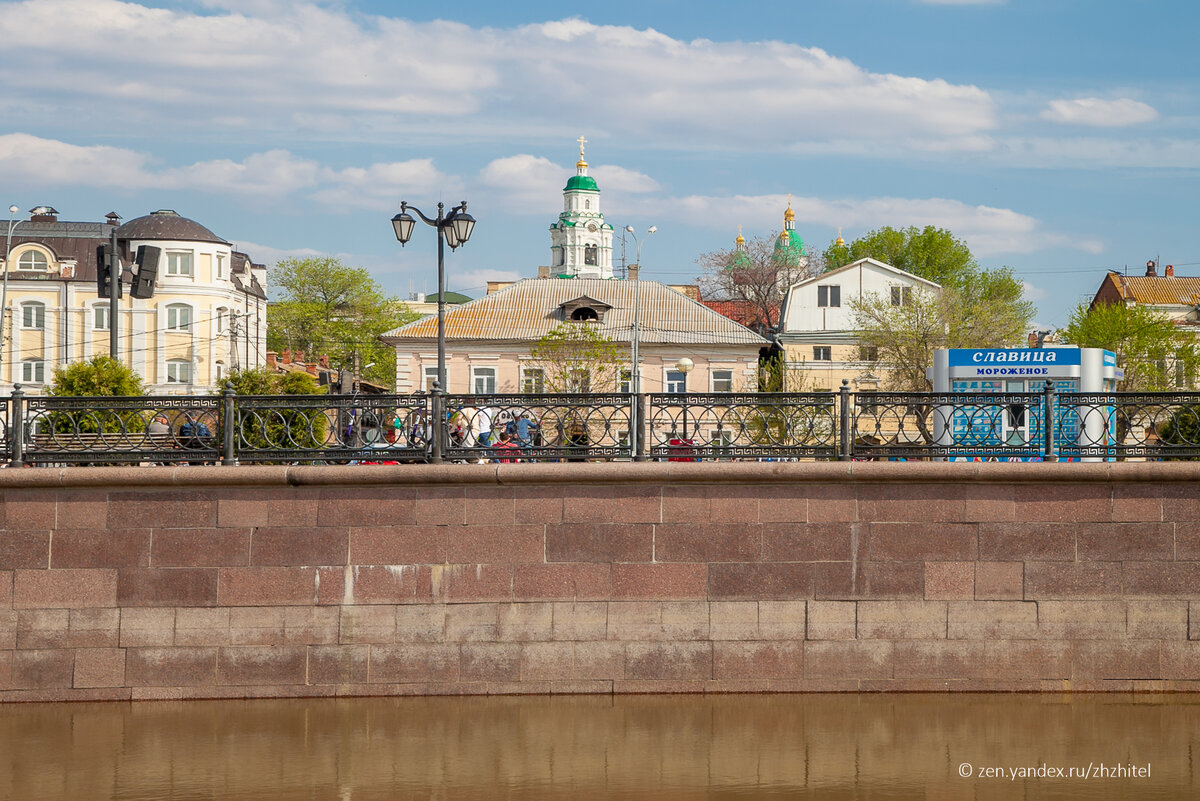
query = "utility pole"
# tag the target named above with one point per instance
(114, 294)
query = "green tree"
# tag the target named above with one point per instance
(976, 307)
(324, 307)
(97, 377)
(578, 357)
(301, 423)
(1154, 353)
(756, 273)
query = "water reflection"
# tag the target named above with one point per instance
(630, 747)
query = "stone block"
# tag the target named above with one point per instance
(544, 661)
(659, 581)
(42, 628)
(753, 581)
(1137, 503)
(94, 628)
(600, 542)
(596, 660)
(398, 545)
(387, 584)
(1118, 542)
(734, 620)
(637, 505)
(669, 661)
(812, 542)
(170, 667)
(712, 542)
(338, 664)
(6, 588)
(538, 504)
(1130, 659)
(782, 620)
(832, 620)
(267, 586)
(1082, 620)
(911, 503)
(833, 503)
(1161, 579)
(318, 546)
(147, 627)
(367, 624)
(81, 548)
(181, 586)
(651, 620)
(99, 667)
(1156, 620)
(27, 509)
(472, 622)
(491, 505)
(992, 620)
(999, 581)
(201, 626)
(1079, 580)
(24, 549)
(42, 669)
(294, 506)
(730, 503)
(81, 508)
(1027, 541)
(414, 662)
(201, 547)
(525, 622)
(1180, 660)
(421, 622)
(163, 509)
(1067, 503)
(1187, 541)
(961, 659)
(73, 589)
(902, 620)
(263, 666)
(491, 544)
(833, 659)
(923, 542)
(1024, 660)
(989, 503)
(490, 662)
(563, 581)
(243, 508)
(787, 504)
(440, 506)
(368, 506)
(758, 660)
(472, 583)
(949, 581)
(685, 504)
(579, 621)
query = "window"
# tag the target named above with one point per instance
(626, 381)
(584, 313)
(179, 371)
(483, 380)
(579, 380)
(179, 317)
(676, 382)
(220, 266)
(221, 320)
(533, 381)
(722, 381)
(822, 353)
(431, 377)
(589, 254)
(902, 296)
(587, 204)
(33, 371)
(868, 353)
(179, 262)
(829, 296)
(220, 371)
(100, 317)
(33, 315)
(33, 260)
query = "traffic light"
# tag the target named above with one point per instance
(148, 257)
(107, 263)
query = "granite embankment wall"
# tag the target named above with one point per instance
(200, 582)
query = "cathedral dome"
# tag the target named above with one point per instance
(585, 182)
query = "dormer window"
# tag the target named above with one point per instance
(33, 261)
(584, 310)
(584, 314)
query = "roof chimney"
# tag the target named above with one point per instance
(1151, 269)
(634, 270)
(543, 271)
(1169, 271)
(272, 356)
(43, 214)
(1033, 339)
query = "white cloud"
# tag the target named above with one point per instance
(534, 184)
(306, 69)
(1094, 111)
(33, 160)
(1033, 293)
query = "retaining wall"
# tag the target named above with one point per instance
(197, 582)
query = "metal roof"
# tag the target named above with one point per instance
(529, 309)
(1159, 290)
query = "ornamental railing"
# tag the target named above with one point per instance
(339, 429)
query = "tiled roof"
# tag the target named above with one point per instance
(529, 309)
(1158, 290)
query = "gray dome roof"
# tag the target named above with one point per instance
(167, 224)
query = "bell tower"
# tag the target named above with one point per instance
(581, 241)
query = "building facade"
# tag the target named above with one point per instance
(818, 331)
(206, 317)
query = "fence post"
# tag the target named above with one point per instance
(638, 431)
(437, 420)
(228, 423)
(846, 442)
(17, 427)
(1048, 421)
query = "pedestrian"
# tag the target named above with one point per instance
(507, 449)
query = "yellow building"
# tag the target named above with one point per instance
(207, 314)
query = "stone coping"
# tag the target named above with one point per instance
(604, 473)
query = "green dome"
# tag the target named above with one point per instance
(790, 250)
(582, 182)
(739, 260)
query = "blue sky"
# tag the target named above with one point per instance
(1059, 137)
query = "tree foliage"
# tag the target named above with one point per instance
(759, 276)
(976, 307)
(283, 427)
(1154, 353)
(578, 357)
(327, 308)
(98, 376)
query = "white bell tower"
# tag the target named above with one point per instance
(581, 241)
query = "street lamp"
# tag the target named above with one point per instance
(684, 365)
(12, 223)
(453, 229)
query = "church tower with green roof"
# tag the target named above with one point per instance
(581, 241)
(789, 247)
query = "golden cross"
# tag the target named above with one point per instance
(582, 142)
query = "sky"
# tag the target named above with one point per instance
(1060, 138)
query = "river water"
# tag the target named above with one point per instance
(604, 747)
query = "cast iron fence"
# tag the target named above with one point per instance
(339, 429)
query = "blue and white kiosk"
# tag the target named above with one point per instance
(1011, 422)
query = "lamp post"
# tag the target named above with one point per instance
(635, 378)
(12, 223)
(684, 366)
(453, 229)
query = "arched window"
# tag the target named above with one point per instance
(221, 319)
(584, 314)
(34, 261)
(587, 204)
(179, 317)
(589, 254)
(33, 315)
